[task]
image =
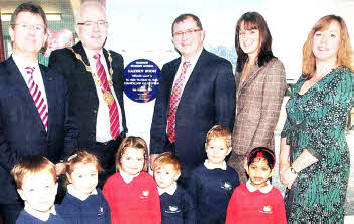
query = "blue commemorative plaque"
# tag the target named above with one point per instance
(141, 80)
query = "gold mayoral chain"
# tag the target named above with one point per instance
(107, 96)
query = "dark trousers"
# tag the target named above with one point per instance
(183, 180)
(106, 153)
(10, 213)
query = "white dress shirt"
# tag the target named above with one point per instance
(103, 125)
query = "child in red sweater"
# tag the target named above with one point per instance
(257, 201)
(132, 193)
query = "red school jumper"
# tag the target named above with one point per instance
(134, 203)
(253, 206)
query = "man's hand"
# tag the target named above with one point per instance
(60, 168)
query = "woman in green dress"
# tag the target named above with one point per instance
(314, 156)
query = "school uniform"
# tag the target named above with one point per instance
(27, 218)
(177, 206)
(250, 205)
(211, 189)
(92, 210)
(133, 200)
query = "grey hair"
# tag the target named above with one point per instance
(83, 5)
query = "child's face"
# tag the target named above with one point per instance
(38, 190)
(165, 176)
(132, 161)
(259, 172)
(217, 150)
(84, 178)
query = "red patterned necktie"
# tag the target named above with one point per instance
(108, 97)
(37, 97)
(176, 95)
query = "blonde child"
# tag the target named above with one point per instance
(211, 184)
(177, 206)
(35, 178)
(257, 201)
(132, 193)
(84, 203)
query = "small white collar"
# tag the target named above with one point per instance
(78, 194)
(127, 178)
(264, 190)
(40, 215)
(211, 166)
(169, 190)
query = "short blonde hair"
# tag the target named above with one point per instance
(166, 159)
(344, 51)
(131, 142)
(219, 131)
(32, 165)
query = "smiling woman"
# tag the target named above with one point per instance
(260, 82)
(314, 157)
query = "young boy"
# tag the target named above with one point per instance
(35, 178)
(176, 204)
(211, 184)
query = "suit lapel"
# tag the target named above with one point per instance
(85, 77)
(17, 81)
(49, 92)
(78, 48)
(252, 74)
(188, 89)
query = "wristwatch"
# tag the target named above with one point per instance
(293, 170)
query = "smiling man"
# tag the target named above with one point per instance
(196, 91)
(95, 82)
(34, 119)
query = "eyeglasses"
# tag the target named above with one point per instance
(28, 27)
(188, 33)
(91, 24)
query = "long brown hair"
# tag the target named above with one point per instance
(265, 55)
(344, 51)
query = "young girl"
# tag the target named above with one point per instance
(257, 201)
(83, 202)
(132, 193)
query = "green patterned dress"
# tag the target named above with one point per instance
(316, 122)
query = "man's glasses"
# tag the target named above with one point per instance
(28, 27)
(91, 24)
(188, 33)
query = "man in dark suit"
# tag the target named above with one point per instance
(196, 91)
(95, 82)
(34, 118)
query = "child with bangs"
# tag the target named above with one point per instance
(36, 182)
(177, 206)
(84, 202)
(132, 193)
(212, 183)
(257, 201)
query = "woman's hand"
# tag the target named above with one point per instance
(287, 177)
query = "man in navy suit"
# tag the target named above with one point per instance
(196, 91)
(88, 99)
(34, 117)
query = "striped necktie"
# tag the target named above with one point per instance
(108, 98)
(175, 98)
(37, 97)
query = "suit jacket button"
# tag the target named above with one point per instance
(95, 111)
(42, 133)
